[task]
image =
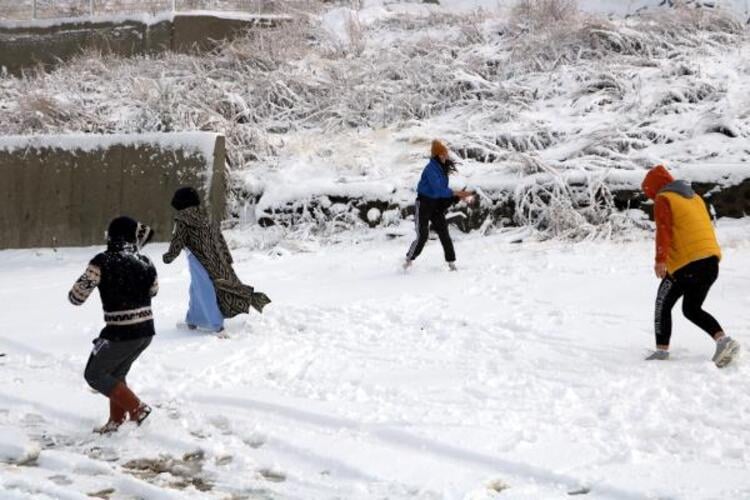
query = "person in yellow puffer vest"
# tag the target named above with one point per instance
(687, 262)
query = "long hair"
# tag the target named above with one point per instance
(449, 167)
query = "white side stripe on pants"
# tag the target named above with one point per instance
(413, 247)
(661, 296)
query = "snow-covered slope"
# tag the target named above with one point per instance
(345, 106)
(522, 370)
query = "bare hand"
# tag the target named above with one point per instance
(660, 269)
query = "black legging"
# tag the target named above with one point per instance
(691, 282)
(431, 210)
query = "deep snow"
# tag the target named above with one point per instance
(523, 369)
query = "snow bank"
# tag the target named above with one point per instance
(278, 192)
(16, 447)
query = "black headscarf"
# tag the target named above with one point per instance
(185, 197)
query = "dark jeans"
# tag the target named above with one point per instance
(110, 361)
(692, 283)
(431, 211)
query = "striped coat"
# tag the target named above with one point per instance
(193, 230)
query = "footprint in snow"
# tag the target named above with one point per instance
(61, 480)
(105, 493)
(272, 475)
(185, 472)
(255, 440)
(105, 454)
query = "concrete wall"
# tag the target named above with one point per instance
(23, 46)
(202, 32)
(56, 194)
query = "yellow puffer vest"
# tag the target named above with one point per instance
(693, 236)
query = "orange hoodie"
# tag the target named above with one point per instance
(684, 232)
(655, 180)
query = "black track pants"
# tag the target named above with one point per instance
(692, 283)
(110, 362)
(431, 210)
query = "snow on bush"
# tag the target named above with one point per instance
(551, 32)
(577, 208)
(541, 14)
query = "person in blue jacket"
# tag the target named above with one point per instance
(434, 197)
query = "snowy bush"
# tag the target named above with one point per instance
(547, 33)
(577, 207)
(536, 14)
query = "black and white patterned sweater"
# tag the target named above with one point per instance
(126, 281)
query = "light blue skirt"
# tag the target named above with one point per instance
(203, 311)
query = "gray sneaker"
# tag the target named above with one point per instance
(726, 350)
(452, 266)
(658, 355)
(407, 264)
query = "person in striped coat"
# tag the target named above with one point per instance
(216, 291)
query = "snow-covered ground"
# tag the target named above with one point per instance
(522, 370)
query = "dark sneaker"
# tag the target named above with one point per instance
(658, 355)
(726, 351)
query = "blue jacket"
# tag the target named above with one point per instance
(434, 181)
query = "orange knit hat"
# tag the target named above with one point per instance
(438, 148)
(655, 180)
